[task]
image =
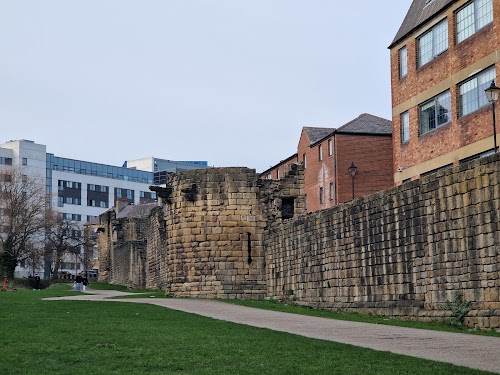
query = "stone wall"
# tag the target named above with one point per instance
(401, 252)
(215, 220)
(123, 243)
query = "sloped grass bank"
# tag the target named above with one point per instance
(82, 337)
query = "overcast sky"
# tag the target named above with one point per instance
(228, 81)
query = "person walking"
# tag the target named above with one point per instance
(78, 282)
(85, 282)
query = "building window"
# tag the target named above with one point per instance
(90, 217)
(91, 203)
(405, 127)
(403, 62)
(304, 160)
(24, 178)
(330, 147)
(60, 201)
(471, 94)
(278, 174)
(320, 153)
(25, 161)
(8, 161)
(269, 176)
(473, 17)
(433, 43)
(104, 189)
(321, 195)
(102, 204)
(435, 113)
(330, 189)
(91, 187)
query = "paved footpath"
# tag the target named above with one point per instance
(480, 352)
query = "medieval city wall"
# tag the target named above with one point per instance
(215, 220)
(402, 252)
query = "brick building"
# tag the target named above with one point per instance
(443, 57)
(327, 154)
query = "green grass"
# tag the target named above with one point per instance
(84, 337)
(354, 317)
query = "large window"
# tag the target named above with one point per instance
(403, 62)
(473, 17)
(405, 127)
(435, 112)
(471, 94)
(433, 43)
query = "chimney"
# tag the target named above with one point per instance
(120, 204)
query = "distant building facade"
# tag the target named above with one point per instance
(444, 56)
(79, 190)
(327, 154)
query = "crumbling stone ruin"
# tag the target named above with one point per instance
(206, 237)
(223, 233)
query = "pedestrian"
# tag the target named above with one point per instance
(85, 282)
(78, 282)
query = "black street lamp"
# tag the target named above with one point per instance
(352, 171)
(492, 93)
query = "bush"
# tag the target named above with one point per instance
(459, 308)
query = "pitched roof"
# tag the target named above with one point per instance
(367, 124)
(136, 211)
(420, 12)
(315, 134)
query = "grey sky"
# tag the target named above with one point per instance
(228, 81)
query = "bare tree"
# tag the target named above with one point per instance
(62, 237)
(22, 216)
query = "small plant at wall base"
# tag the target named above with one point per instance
(459, 308)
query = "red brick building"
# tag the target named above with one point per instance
(443, 57)
(327, 154)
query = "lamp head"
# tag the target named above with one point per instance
(352, 169)
(492, 92)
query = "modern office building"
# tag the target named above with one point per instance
(444, 56)
(81, 190)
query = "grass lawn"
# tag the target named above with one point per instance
(84, 337)
(294, 309)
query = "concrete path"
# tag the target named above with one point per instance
(480, 352)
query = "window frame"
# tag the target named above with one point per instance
(436, 116)
(405, 127)
(479, 91)
(475, 21)
(434, 54)
(401, 65)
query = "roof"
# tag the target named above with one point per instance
(367, 124)
(315, 134)
(136, 211)
(420, 12)
(294, 156)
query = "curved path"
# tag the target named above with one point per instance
(480, 352)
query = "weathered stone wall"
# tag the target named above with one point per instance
(156, 250)
(401, 252)
(123, 245)
(215, 219)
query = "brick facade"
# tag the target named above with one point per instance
(463, 137)
(327, 154)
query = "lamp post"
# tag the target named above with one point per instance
(492, 94)
(352, 171)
